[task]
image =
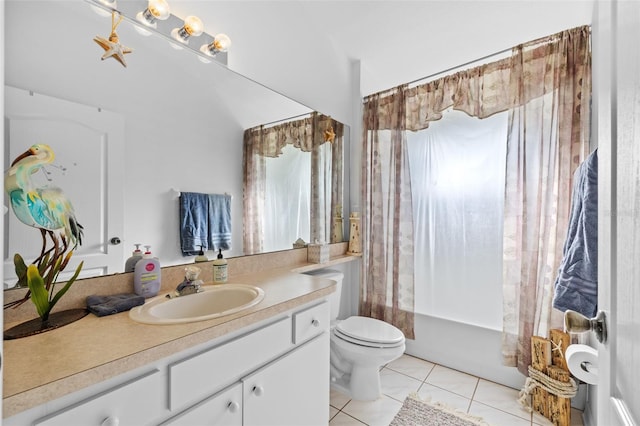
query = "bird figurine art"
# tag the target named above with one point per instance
(46, 207)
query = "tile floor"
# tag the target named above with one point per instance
(495, 403)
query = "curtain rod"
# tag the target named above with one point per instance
(491, 55)
(286, 119)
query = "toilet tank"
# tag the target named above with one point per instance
(334, 298)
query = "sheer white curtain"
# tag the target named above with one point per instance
(287, 199)
(457, 170)
(321, 186)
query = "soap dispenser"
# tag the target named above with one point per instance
(146, 275)
(130, 264)
(220, 269)
(201, 256)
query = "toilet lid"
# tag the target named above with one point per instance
(369, 332)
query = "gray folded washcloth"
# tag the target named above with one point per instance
(107, 305)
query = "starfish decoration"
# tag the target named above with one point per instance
(112, 47)
(557, 347)
(329, 135)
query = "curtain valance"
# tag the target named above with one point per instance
(495, 87)
(303, 134)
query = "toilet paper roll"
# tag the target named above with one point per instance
(582, 361)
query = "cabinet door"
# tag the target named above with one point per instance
(223, 409)
(292, 390)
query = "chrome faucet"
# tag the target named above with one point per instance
(190, 285)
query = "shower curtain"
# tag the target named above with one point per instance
(546, 87)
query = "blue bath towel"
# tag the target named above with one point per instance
(205, 221)
(194, 222)
(576, 287)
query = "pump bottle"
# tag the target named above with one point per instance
(146, 276)
(130, 264)
(220, 272)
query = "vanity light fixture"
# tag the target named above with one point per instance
(192, 27)
(154, 17)
(156, 10)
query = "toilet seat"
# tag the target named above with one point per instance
(369, 332)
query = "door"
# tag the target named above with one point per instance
(617, 120)
(88, 145)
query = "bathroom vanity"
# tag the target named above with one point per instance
(243, 369)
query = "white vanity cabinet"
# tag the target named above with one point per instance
(292, 389)
(275, 372)
(288, 392)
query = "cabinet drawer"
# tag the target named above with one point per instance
(135, 402)
(310, 322)
(224, 408)
(195, 378)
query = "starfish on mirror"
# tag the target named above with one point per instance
(329, 135)
(112, 48)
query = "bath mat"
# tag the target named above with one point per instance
(416, 412)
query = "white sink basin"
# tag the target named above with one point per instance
(213, 302)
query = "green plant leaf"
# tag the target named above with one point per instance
(39, 294)
(21, 270)
(64, 289)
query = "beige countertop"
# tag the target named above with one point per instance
(43, 367)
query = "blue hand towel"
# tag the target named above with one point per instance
(576, 287)
(205, 221)
(108, 305)
(194, 223)
(220, 221)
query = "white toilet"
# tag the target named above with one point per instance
(360, 346)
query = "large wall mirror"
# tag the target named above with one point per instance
(174, 124)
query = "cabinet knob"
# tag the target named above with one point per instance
(315, 323)
(233, 406)
(258, 390)
(110, 421)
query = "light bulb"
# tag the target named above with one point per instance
(156, 9)
(192, 27)
(220, 43)
(159, 9)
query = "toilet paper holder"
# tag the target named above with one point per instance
(575, 322)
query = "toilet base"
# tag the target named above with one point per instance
(362, 384)
(365, 383)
